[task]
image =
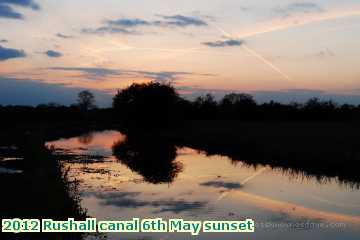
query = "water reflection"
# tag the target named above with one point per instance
(153, 158)
(133, 200)
(133, 181)
(86, 138)
(222, 184)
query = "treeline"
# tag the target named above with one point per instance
(48, 114)
(160, 104)
(244, 107)
(84, 110)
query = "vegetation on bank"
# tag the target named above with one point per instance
(41, 190)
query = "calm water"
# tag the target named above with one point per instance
(194, 186)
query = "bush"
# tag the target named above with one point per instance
(151, 103)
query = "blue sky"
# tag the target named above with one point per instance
(283, 50)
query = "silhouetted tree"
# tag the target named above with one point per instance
(206, 106)
(86, 100)
(151, 104)
(238, 105)
(314, 108)
(239, 99)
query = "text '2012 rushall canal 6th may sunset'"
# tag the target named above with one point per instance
(136, 225)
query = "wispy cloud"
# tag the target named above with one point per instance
(22, 3)
(162, 76)
(298, 8)
(181, 21)
(224, 43)
(53, 54)
(60, 35)
(89, 72)
(102, 73)
(108, 29)
(128, 22)
(131, 25)
(8, 53)
(325, 53)
(7, 10)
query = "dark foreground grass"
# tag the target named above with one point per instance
(41, 191)
(319, 149)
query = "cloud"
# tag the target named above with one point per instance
(100, 73)
(60, 35)
(108, 29)
(128, 22)
(224, 43)
(21, 91)
(162, 76)
(7, 11)
(89, 72)
(325, 53)
(127, 25)
(22, 3)
(53, 54)
(299, 7)
(245, 8)
(181, 21)
(8, 53)
(221, 184)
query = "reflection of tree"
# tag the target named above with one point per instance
(153, 158)
(86, 138)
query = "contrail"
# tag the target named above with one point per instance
(267, 62)
(255, 54)
(226, 34)
(121, 46)
(305, 21)
(290, 24)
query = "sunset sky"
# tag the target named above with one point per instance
(283, 50)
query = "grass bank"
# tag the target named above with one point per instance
(42, 190)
